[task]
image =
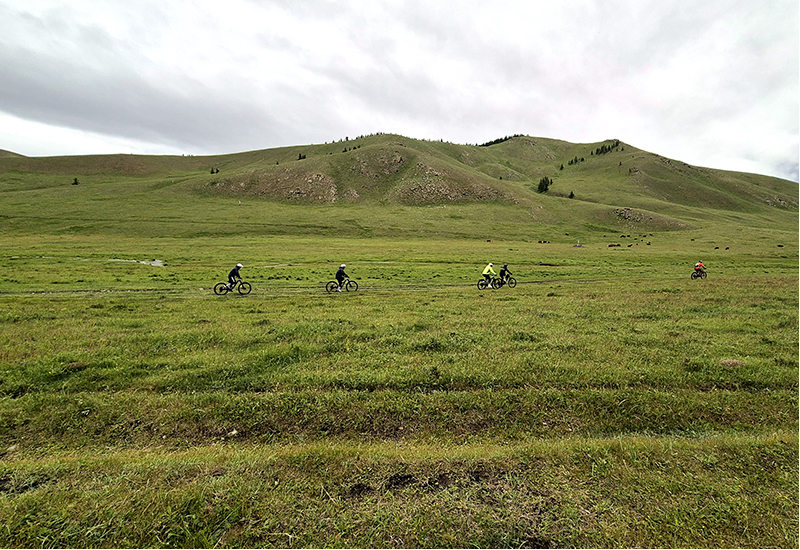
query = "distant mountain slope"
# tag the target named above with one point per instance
(4, 154)
(382, 170)
(594, 181)
(396, 168)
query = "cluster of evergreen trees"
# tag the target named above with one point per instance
(544, 184)
(603, 149)
(366, 135)
(576, 160)
(499, 140)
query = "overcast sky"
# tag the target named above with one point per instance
(709, 82)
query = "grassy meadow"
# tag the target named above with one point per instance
(606, 401)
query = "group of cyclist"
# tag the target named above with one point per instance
(234, 276)
(341, 276)
(488, 272)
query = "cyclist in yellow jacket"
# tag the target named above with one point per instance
(488, 271)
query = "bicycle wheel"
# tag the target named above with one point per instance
(482, 284)
(331, 286)
(703, 274)
(351, 286)
(245, 288)
(221, 289)
(695, 275)
(512, 282)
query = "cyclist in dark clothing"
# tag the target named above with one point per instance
(233, 276)
(505, 273)
(341, 276)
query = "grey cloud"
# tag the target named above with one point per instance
(86, 80)
(124, 104)
(469, 71)
(787, 170)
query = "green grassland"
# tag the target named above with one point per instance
(606, 401)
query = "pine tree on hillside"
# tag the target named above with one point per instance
(544, 184)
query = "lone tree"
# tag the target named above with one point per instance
(544, 184)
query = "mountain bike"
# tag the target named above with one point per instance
(347, 284)
(483, 285)
(243, 287)
(497, 282)
(699, 274)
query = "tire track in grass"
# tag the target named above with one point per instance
(310, 290)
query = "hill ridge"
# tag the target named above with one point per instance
(589, 180)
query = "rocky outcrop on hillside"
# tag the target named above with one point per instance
(380, 174)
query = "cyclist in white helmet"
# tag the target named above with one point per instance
(488, 271)
(341, 276)
(233, 276)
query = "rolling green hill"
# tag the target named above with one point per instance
(608, 184)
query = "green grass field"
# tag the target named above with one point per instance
(606, 401)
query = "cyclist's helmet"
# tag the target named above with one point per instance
(239, 265)
(342, 265)
(490, 263)
(505, 265)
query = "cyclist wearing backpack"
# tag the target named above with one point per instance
(699, 267)
(233, 276)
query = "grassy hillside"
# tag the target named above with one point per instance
(607, 400)
(613, 185)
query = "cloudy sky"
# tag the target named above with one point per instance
(709, 82)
